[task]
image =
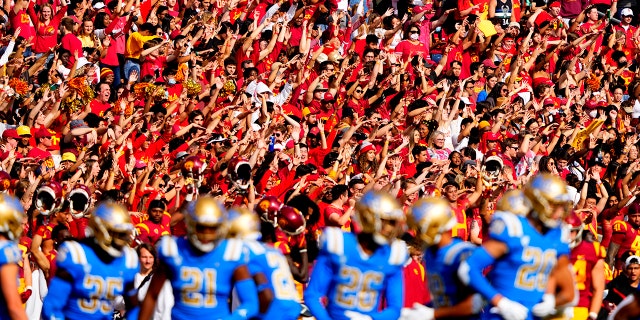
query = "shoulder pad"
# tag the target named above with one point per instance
(233, 250)
(502, 220)
(398, 253)
(11, 253)
(168, 247)
(455, 250)
(141, 226)
(332, 241)
(255, 247)
(71, 251)
(130, 258)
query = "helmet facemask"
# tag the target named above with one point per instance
(79, 202)
(46, 201)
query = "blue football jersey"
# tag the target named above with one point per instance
(522, 274)
(275, 267)
(9, 254)
(95, 282)
(354, 281)
(201, 282)
(441, 265)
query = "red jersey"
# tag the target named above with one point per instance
(626, 236)
(150, 232)
(584, 257)
(460, 229)
(285, 242)
(415, 286)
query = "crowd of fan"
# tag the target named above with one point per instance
(153, 103)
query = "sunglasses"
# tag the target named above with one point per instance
(358, 91)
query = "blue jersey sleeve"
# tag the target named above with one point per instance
(318, 287)
(54, 303)
(248, 307)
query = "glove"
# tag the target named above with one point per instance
(546, 307)
(353, 315)
(477, 303)
(510, 310)
(418, 312)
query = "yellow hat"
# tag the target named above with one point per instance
(483, 124)
(68, 156)
(23, 130)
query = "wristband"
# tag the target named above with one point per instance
(302, 250)
(593, 315)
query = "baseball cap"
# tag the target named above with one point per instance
(514, 24)
(631, 259)
(42, 133)
(626, 12)
(328, 97)
(555, 4)
(23, 131)
(489, 63)
(181, 155)
(216, 138)
(99, 5)
(68, 156)
(483, 124)
(140, 164)
(10, 133)
(548, 101)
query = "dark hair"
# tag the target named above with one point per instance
(152, 250)
(338, 190)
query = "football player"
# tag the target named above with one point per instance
(353, 271)
(587, 258)
(92, 272)
(529, 254)
(625, 237)
(268, 267)
(203, 268)
(433, 219)
(11, 218)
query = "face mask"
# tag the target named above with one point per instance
(414, 36)
(171, 81)
(593, 113)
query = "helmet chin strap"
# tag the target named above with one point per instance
(208, 247)
(380, 239)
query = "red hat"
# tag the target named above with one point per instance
(555, 4)
(590, 104)
(489, 63)
(42, 133)
(314, 131)
(548, 101)
(602, 103)
(10, 133)
(328, 97)
(366, 147)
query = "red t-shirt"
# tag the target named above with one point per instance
(38, 154)
(409, 49)
(99, 107)
(72, 43)
(151, 65)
